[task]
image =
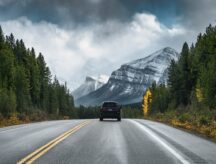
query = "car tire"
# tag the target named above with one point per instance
(119, 118)
(101, 119)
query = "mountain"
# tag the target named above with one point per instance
(128, 84)
(91, 84)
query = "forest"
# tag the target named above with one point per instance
(189, 97)
(28, 92)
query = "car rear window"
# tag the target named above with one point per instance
(110, 104)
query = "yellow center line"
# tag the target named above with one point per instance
(42, 150)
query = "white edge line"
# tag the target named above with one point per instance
(156, 138)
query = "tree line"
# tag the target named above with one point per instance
(127, 111)
(26, 83)
(191, 80)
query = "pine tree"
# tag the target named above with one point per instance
(185, 81)
(10, 40)
(45, 79)
(2, 38)
(174, 82)
(7, 102)
(22, 90)
(25, 82)
(6, 69)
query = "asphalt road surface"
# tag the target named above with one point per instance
(108, 142)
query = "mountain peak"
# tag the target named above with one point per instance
(90, 79)
(91, 84)
(170, 50)
(161, 56)
(128, 83)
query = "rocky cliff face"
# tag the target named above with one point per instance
(127, 84)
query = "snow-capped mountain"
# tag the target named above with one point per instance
(91, 84)
(128, 84)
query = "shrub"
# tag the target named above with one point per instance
(7, 102)
(13, 120)
(204, 120)
(38, 115)
(185, 117)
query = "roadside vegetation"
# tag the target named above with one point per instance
(188, 100)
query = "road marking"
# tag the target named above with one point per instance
(42, 150)
(158, 139)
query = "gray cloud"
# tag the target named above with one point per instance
(196, 15)
(64, 11)
(82, 33)
(69, 13)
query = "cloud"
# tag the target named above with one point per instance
(80, 12)
(197, 15)
(5, 2)
(95, 48)
(64, 12)
(73, 13)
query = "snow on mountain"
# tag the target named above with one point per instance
(91, 84)
(127, 84)
(103, 79)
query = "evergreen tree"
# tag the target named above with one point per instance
(10, 40)
(192, 76)
(2, 38)
(7, 102)
(22, 90)
(34, 79)
(45, 79)
(185, 81)
(174, 82)
(25, 82)
(6, 69)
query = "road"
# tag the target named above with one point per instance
(109, 142)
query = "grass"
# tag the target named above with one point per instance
(13, 120)
(202, 122)
(36, 116)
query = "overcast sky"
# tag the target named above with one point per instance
(92, 37)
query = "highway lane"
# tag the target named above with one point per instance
(18, 141)
(126, 142)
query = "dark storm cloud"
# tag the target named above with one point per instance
(86, 11)
(197, 14)
(61, 11)
(66, 12)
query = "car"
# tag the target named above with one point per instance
(110, 109)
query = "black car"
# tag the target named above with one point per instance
(110, 109)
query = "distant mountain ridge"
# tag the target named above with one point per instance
(91, 84)
(128, 84)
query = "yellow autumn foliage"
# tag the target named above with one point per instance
(199, 94)
(147, 98)
(198, 123)
(13, 120)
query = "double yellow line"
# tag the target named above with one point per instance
(42, 150)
